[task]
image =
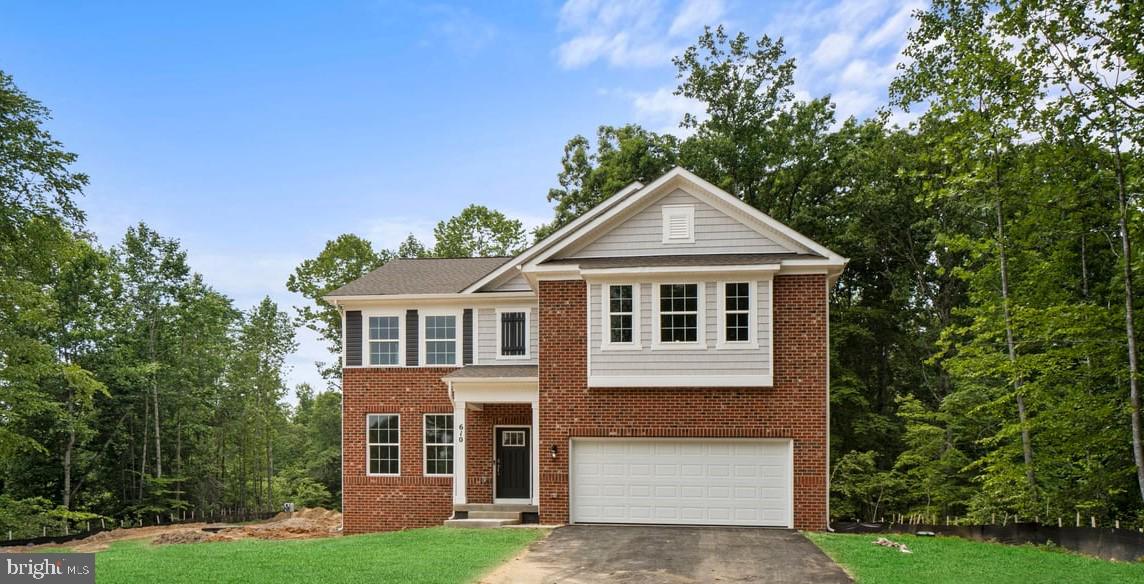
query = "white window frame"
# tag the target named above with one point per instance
(700, 320)
(368, 444)
(672, 211)
(527, 310)
(458, 338)
(425, 445)
(752, 316)
(606, 343)
(365, 316)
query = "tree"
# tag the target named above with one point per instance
(411, 247)
(341, 261)
(1088, 58)
(622, 155)
(478, 231)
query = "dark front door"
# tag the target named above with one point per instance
(512, 464)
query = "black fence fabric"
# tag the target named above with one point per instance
(227, 517)
(1123, 545)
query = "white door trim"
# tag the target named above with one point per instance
(531, 461)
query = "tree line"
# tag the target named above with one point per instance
(983, 337)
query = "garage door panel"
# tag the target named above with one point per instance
(712, 482)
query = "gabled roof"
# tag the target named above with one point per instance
(421, 276)
(636, 196)
(720, 259)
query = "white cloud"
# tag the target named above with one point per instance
(832, 49)
(695, 14)
(661, 110)
(630, 33)
(894, 28)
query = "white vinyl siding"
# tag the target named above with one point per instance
(702, 481)
(485, 340)
(699, 360)
(715, 232)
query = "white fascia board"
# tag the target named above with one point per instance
(680, 381)
(440, 299)
(681, 270)
(556, 237)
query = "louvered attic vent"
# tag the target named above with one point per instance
(678, 223)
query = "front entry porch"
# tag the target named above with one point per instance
(496, 460)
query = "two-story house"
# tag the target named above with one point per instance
(662, 359)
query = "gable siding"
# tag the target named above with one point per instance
(702, 361)
(715, 232)
(487, 349)
(516, 284)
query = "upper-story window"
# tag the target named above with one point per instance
(441, 339)
(679, 313)
(737, 307)
(512, 334)
(678, 223)
(621, 314)
(384, 340)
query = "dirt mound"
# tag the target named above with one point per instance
(302, 524)
(187, 536)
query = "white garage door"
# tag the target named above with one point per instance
(681, 482)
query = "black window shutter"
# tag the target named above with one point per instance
(512, 333)
(412, 324)
(467, 343)
(353, 338)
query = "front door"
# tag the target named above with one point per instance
(512, 463)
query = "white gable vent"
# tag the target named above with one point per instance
(679, 223)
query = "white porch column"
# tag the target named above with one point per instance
(459, 477)
(536, 451)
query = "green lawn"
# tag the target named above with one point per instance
(420, 555)
(953, 560)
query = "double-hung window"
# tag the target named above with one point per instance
(438, 444)
(383, 439)
(678, 313)
(441, 339)
(621, 315)
(384, 340)
(512, 334)
(737, 312)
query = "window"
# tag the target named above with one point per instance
(438, 444)
(678, 223)
(513, 438)
(679, 313)
(441, 340)
(512, 334)
(383, 438)
(737, 312)
(384, 340)
(619, 311)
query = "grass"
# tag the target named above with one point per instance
(436, 555)
(941, 560)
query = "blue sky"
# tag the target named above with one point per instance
(254, 132)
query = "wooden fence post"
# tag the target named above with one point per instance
(1093, 518)
(1078, 518)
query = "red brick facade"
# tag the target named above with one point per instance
(794, 408)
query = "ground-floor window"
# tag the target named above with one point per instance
(383, 438)
(438, 444)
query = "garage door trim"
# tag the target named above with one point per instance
(789, 442)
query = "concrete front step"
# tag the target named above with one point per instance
(494, 515)
(514, 507)
(481, 523)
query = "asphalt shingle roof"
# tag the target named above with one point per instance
(493, 371)
(421, 276)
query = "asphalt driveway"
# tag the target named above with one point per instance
(636, 554)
